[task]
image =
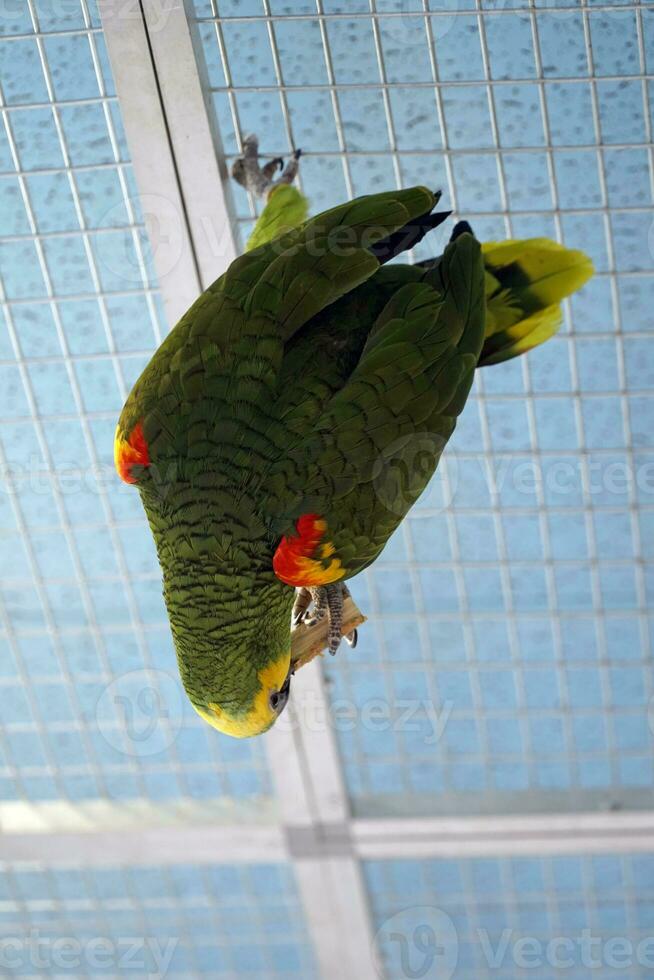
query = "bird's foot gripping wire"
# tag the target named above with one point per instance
(313, 604)
(247, 172)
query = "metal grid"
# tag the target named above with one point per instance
(189, 921)
(510, 620)
(515, 917)
(81, 607)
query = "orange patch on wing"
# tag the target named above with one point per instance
(306, 559)
(129, 452)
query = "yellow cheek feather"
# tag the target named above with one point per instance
(261, 716)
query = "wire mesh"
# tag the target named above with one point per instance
(214, 920)
(511, 917)
(505, 667)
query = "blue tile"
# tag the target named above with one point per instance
(415, 119)
(52, 554)
(621, 111)
(477, 182)
(592, 307)
(393, 592)
(562, 45)
(67, 264)
(405, 49)
(573, 587)
(97, 380)
(627, 686)
(627, 178)
(568, 536)
(577, 179)
(519, 117)
(638, 363)
(87, 136)
(51, 388)
(15, 220)
(570, 113)
(476, 537)
(631, 232)
(497, 689)
(439, 590)
(541, 689)
(446, 639)
(636, 296)
(614, 42)
(352, 48)
(484, 589)
(510, 47)
(467, 117)
(527, 181)
(13, 401)
(22, 75)
(522, 537)
(535, 638)
(63, 51)
(102, 199)
(529, 588)
(82, 324)
(52, 18)
(509, 426)
(556, 424)
(249, 55)
(461, 58)
(52, 202)
(19, 267)
(603, 423)
(618, 586)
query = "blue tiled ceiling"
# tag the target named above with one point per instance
(514, 917)
(80, 603)
(508, 652)
(180, 921)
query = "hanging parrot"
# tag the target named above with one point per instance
(258, 430)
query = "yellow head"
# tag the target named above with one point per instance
(269, 702)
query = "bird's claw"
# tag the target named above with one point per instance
(259, 180)
(324, 600)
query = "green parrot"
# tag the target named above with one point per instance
(261, 428)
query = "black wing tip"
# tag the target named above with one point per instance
(461, 228)
(408, 236)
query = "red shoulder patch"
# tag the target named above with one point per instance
(307, 558)
(129, 452)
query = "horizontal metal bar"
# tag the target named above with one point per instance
(431, 84)
(574, 833)
(414, 14)
(146, 833)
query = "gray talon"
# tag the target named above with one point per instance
(258, 180)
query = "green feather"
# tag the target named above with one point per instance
(286, 208)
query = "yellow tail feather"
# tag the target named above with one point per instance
(525, 283)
